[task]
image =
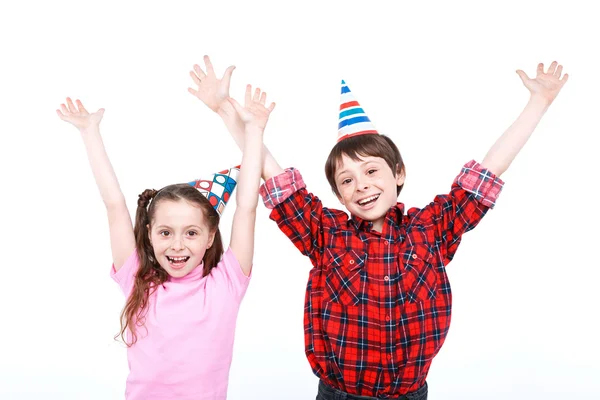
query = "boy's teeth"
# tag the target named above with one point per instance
(368, 199)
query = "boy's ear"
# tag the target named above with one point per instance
(400, 175)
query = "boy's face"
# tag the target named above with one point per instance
(367, 188)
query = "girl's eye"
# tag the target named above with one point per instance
(372, 171)
(164, 233)
(192, 233)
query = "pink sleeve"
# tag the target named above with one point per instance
(229, 272)
(125, 276)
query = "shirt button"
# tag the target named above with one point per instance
(387, 317)
(386, 242)
(414, 256)
(386, 278)
(351, 261)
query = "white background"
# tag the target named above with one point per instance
(438, 77)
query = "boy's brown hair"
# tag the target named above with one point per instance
(356, 147)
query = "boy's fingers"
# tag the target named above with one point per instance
(263, 98)
(271, 107)
(192, 91)
(64, 109)
(540, 68)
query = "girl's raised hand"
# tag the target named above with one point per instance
(546, 85)
(78, 116)
(254, 113)
(211, 91)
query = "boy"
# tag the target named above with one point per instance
(378, 301)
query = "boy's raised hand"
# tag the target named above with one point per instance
(78, 116)
(254, 114)
(545, 85)
(211, 91)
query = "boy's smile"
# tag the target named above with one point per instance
(367, 187)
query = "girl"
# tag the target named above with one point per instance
(183, 291)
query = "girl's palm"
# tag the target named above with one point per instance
(78, 116)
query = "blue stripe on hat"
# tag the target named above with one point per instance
(345, 89)
(354, 120)
(351, 112)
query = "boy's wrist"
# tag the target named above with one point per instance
(539, 101)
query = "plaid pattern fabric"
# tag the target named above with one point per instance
(377, 307)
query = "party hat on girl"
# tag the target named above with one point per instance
(218, 187)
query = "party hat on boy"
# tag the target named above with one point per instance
(353, 119)
(218, 187)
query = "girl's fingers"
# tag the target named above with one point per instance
(271, 107)
(558, 71)
(195, 78)
(64, 109)
(552, 68)
(199, 71)
(256, 94)
(193, 91)
(71, 106)
(60, 114)
(248, 96)
(209, 67)
(80, 106)
(263, 98)
(540, 69)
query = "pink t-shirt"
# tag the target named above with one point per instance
(184, 351)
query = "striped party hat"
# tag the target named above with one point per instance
(353, 119)
(217, 188)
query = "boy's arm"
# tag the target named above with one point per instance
(122, 238)
(214, 92)
(299, 214)
(544, 89)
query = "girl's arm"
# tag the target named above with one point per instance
(544, 89)
(122, 239)
(214, 92)
(254, 116)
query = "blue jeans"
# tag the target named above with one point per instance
(328, 393)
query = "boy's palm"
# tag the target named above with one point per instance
(546, 84)
(78, 116)
(211, 90)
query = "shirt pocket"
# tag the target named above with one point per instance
(345, 280)
(418, 275)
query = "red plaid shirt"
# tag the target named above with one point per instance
(378, 304)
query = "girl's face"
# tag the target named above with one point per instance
(179, 236)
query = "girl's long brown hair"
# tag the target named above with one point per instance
(150, 274)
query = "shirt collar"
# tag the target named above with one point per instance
(394, 215)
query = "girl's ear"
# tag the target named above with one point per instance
(149, 233)
(211, 239)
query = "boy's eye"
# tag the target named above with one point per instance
(345, 181)
(372, 171)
